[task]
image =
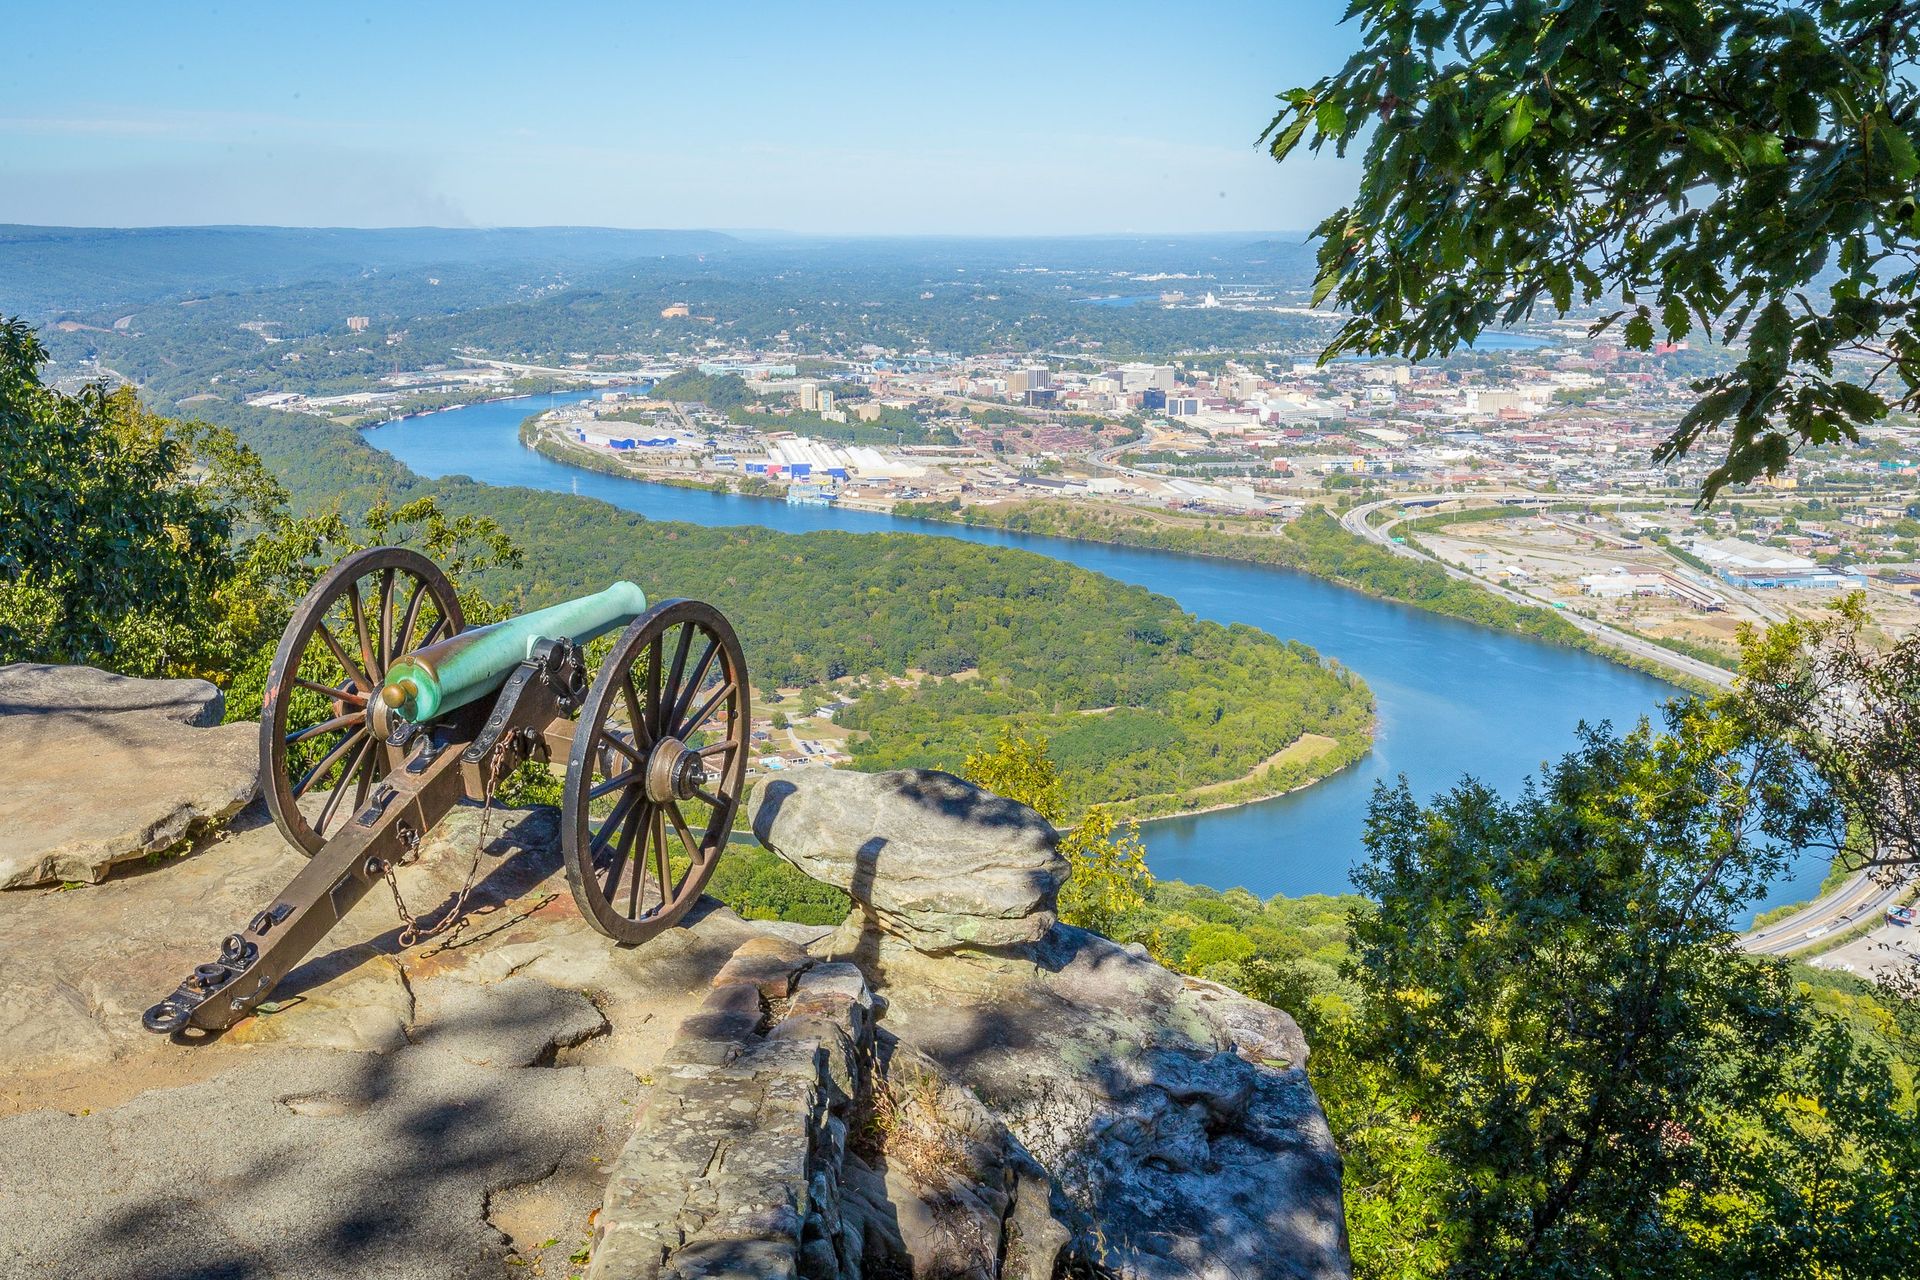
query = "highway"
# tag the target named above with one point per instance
(1887, 950)
(1355, 522)
(1861, 897)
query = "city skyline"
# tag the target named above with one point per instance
(995, 120)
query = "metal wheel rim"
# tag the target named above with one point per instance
(616, 835)
(405, 583)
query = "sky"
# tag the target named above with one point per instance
(833, 118)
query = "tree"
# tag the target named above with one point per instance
(157, 547)
(1849, 713)
(1614, 1088)
(1110, 876)
(1740, 169)
(126, 539)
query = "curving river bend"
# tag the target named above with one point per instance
(1453, 698)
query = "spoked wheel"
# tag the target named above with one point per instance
(314, 737)
(659, 761)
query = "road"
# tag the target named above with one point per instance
(1860, 897)
(1887, 949)
(1355, 522)
(591, 376)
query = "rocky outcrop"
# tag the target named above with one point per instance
(103, 770)
(83, 693)
(786, 1137)
(950, 1084)
(1175, 1115)
(929, 858)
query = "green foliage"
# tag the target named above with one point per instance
(763, 886)
(1109, 878)
(719, 392)
(1140, 697)
(1867, 758)
(131, 541)
(1737, 169)
(157, 547)
(1141, 703)
(1612, 1087)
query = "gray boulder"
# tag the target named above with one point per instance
(929, 858)
(40, 688)
(107, 769)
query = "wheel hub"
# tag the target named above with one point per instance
(674, 771)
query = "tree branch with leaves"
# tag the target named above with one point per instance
(1736, 169)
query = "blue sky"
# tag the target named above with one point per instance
(985, 118)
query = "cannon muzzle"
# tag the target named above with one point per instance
(450, 673)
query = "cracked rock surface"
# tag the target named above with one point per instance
(1175, 1114)
(426, 1113)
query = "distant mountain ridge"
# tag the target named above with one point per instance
(48, 268)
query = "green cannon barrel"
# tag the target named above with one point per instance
(450, 673)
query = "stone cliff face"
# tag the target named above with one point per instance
(1173, 1116)
(951, 1084)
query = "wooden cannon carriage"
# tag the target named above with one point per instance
(383, 711)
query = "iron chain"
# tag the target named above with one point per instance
(411, 932)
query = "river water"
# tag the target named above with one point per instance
(1453, 698)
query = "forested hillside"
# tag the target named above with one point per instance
(270, 315)
(1314, 543)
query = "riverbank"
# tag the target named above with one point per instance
(547, 445)
(1279, 775)
(1314, 544)
(1339, 756)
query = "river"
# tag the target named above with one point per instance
(1453, 698)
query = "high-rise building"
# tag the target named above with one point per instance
(825, 401)
(810, 397)
(1138, 377)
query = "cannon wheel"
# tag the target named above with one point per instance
(363, 613)
(658, 764)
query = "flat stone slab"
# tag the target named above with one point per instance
(77, 967)
(104, 770)
(40, 688)
(316, 1163)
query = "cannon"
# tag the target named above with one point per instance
(383, 711)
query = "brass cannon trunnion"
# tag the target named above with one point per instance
(379, 690)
